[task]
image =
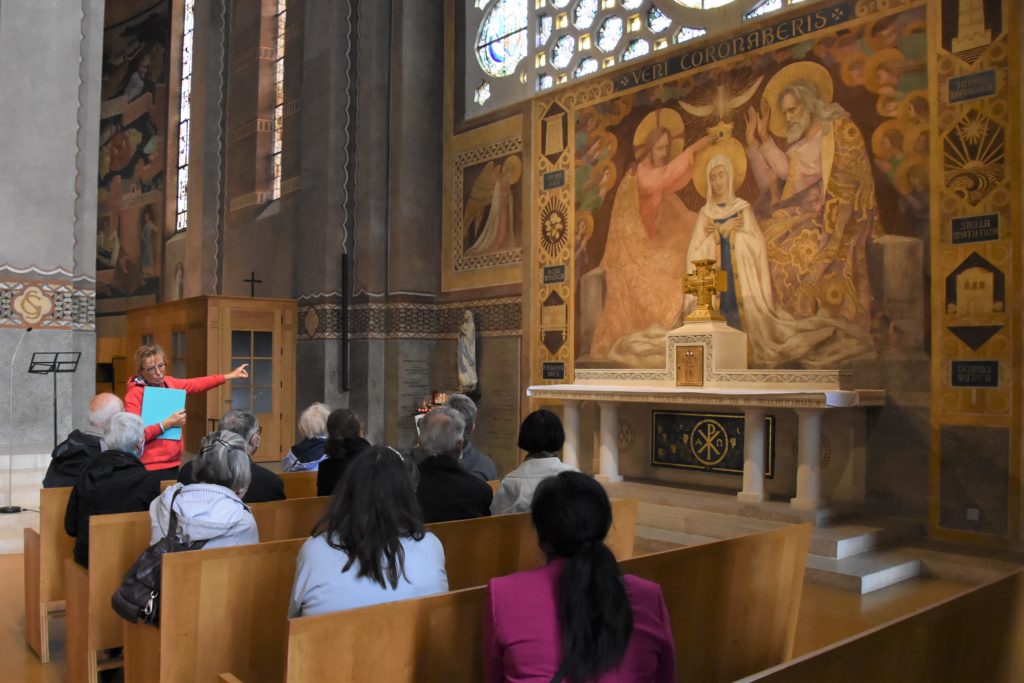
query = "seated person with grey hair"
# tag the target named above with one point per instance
(211, 509)
(82, 445)
(305, 456)
(472, 460)
(265, 485)
(113, 481)
(446, 491)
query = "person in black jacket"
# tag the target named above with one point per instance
(265, 484)
(344, 442)
(446, 491)
(82, 445)
(114, 481)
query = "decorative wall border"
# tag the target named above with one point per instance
(320, 318)
(47, 299)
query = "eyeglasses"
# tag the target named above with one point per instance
(153, 369)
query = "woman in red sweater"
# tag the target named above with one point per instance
(150, 366)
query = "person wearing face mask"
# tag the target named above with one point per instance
(114, 481)
(164, 455)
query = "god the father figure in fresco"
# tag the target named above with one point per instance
(817, 208)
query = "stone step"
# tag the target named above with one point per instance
(863, 573)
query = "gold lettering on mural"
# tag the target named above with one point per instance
(33, 305)
(554, 141)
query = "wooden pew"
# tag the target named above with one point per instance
(45, 553)
(733, 606)
(115, 542)
(494, 484)
(974, 636)
(296, 484)
(167, 483)
(299, 484)
(230, 604)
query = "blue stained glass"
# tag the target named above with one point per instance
(638, 47)
(610, 33)
(587, 66)
(583, 15)
(689, 33)
(501, 42)
(765, 8)
(544, 25)
(562, 52)
(656, 21)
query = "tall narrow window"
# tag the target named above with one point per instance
(184, 117)
(280, 19)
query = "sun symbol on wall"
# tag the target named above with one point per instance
(975, 157)
(554, 228)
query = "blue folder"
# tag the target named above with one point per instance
(158, 404)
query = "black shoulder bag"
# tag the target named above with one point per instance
(138, 597)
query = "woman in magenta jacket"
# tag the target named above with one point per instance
(150, 368)
(613, 627)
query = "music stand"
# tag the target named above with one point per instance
(54, 362)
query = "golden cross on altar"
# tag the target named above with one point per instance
(704, 283)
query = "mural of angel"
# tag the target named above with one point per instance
(489, 221)
(648, 233)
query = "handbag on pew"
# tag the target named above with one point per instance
(138, 597)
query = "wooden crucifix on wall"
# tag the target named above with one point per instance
(252, 284)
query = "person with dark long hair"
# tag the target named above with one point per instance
(577, 618)
(370, 547)
(344, 442)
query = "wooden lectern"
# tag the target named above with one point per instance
(207, 335)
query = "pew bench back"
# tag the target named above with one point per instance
(44, 556)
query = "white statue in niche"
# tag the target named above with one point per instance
(467, 354)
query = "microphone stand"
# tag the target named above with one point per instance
(11, 509)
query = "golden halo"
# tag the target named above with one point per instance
(728, 147)
(911, 136)
(807, 71)
(908, 101)
(513, 168)
(584, 228)
(599, 169)
(846, 70)
(881, 131)
(901, 179)
(887, 56)
(668, 119)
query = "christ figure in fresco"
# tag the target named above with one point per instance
(648, 234)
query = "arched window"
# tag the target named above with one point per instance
(519, 47)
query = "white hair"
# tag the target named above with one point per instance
(440, 431)
(124, 433)
(102, 408)
(223, 460)
(464, 404)
(807, 93)
(313, 421)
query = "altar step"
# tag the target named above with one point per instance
(850, 553)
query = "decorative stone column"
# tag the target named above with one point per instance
(608, 471)
(571, 424)
(753, 456)
(808, 473)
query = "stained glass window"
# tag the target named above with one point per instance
(689, 33)
(544, 25)
(631, 4)
(711, 4)
(656, 21)
(483, 93)
(184, 118)
(583, 15)
(764, 8)
(610, 33)
(562, 52)
(638, 47)
(544, 81)
(559, 3)
(280, 21)
(587, 66)
(501, 42)
(695, 4)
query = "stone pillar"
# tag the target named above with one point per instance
(753, 456)
(571, 423)
(608, 471)
(808, 473)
